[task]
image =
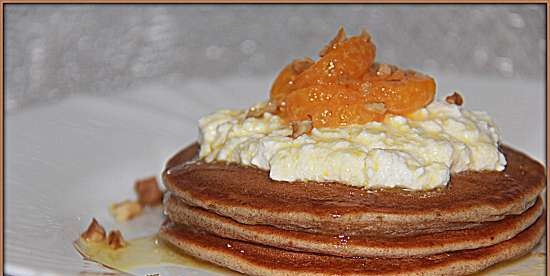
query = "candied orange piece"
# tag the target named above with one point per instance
(345, 86)
(401, 92)
(285, 80)
(342, 62)
(329, 106)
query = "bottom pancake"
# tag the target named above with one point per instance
(263, 260)
(486, 234)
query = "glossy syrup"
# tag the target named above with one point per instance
(153, 252)
(148, 251)
(532, 264)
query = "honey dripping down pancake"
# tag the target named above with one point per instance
(352, 168)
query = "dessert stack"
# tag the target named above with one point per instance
(238, 217)
(352, 168)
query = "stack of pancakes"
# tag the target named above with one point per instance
(237, 217)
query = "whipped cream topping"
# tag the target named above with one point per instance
(418, 151)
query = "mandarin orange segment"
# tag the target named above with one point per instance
(285, 80)
(329, 106)
(346, 61)
(402, 93)
(345, 86)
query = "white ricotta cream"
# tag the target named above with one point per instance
(418, 151)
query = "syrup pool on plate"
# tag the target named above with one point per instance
(143, 252)
(152, 252)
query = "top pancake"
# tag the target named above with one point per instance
(249, 196)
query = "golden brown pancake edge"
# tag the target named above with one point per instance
(248, 196)
(263, 260)
(486, 234)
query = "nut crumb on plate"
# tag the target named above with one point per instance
(115, 240)
(126, 210)
(148, 191)
(94, 233)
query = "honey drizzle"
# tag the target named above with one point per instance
(148, 251)
(153, 252)
(518, 267)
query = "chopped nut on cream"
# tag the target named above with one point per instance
(300, 128)
(94, 233)
(126, 210)
(384, 70)
(255, 112)
(455, 98)
(115, 240)
(377, 107)
(259, 110)
(148, 192)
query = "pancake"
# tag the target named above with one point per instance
(255, 259)
(486, 234)
(249, 196)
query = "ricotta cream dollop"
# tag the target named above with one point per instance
(418, 151)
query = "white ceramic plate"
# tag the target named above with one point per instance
(67, 161)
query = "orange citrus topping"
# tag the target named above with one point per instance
(284, 82)
(345, 86)
(329, 105)
(344, 61)
(400, 91)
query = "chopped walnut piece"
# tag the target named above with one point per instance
(384, 70)
(94, 233)
(377, 107)
(126, 210)
(115, 240)
(255, 112)
(258, 112)
(148, 192)
(455, 98)
(301, 127)
(340, 36)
